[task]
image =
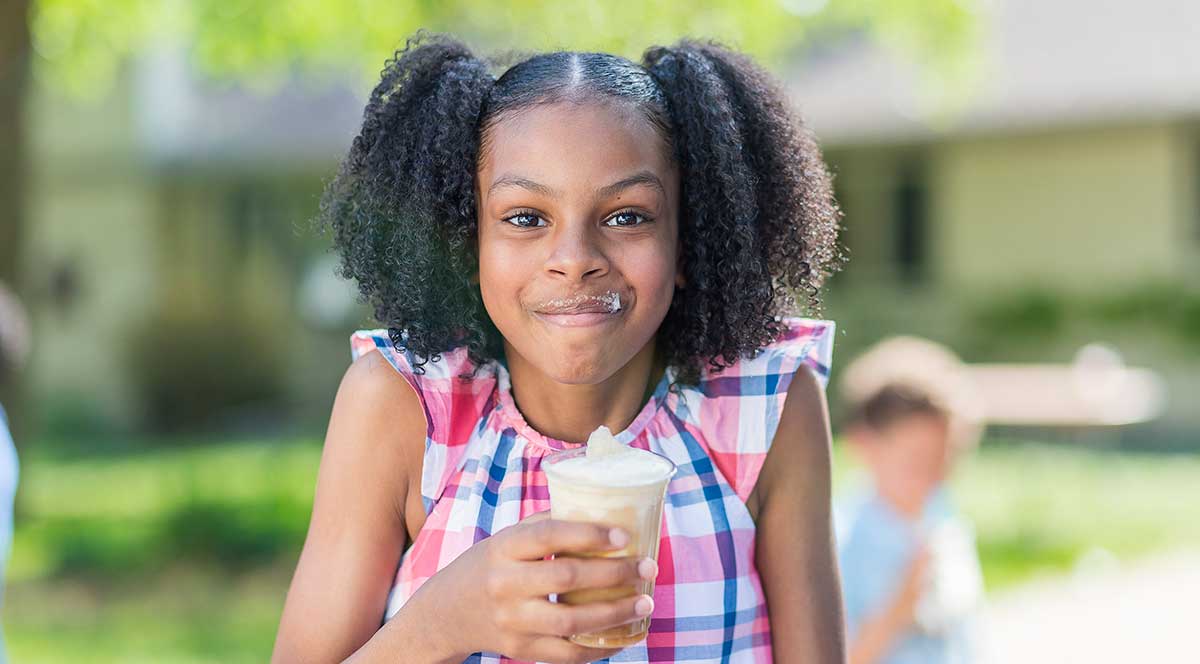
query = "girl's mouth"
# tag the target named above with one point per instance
(576, 320)
(580, 310)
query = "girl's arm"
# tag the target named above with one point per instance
(372, 451)
(493, 597)
(795, 548)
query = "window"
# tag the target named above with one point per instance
(910, 212)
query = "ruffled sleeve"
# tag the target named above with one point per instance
(453, 404)
(743, 403)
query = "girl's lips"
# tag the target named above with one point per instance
(578, 320)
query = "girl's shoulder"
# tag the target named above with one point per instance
(453, 363)
(451, 388)
(803, 342)
(737, 410)
(453, 396)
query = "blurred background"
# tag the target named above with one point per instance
(1021, 182)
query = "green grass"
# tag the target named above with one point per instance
(188, 613)
(184, 554)
(237, 503)
(1037, 509)
(175, 555)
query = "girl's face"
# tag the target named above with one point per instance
(578, 236)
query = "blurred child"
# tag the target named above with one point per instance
(910, 571)
(14, 344)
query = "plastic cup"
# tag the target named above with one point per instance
(611, 501)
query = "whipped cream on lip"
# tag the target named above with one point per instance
(581, 310)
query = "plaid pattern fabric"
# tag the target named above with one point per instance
(482, 472)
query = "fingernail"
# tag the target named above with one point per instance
(648, 569)
(618, 537)
(644, 605)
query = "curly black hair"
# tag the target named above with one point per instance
(758, 221)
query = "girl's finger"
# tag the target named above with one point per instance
(551, 619)
(545, 537)
(561, 651)
(560, 575)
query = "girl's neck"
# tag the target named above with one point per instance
(572, 412)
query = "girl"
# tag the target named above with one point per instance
(582, 241)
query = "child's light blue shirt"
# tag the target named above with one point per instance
(875, 545)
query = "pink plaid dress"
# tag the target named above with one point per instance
(482, 472)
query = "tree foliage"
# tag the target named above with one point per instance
(81, 45)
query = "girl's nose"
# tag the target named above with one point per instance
(576, 254)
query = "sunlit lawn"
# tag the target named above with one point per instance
(184, 555)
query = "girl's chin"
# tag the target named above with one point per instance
(574, 368)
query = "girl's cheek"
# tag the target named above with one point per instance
(503, 278)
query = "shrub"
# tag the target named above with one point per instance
(194, 363)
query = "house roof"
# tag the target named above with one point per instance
(1041, 63)
(182, 119)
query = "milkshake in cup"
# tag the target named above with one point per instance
(614, 485)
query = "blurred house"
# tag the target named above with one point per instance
(1070, 158)
(170, 252)
(1036, 196)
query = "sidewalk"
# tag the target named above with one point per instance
(1105, 612)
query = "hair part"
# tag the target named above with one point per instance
(573, 78)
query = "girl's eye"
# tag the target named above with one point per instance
(625, 219)
(525, 220)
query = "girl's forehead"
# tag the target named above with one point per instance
(573, 140)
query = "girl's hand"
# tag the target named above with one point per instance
(495, 593)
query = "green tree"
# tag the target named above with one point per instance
(81, 44)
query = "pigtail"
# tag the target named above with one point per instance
(402, 206)
(757, 202)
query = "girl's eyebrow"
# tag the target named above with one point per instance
(639, 178)
(510, 180)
